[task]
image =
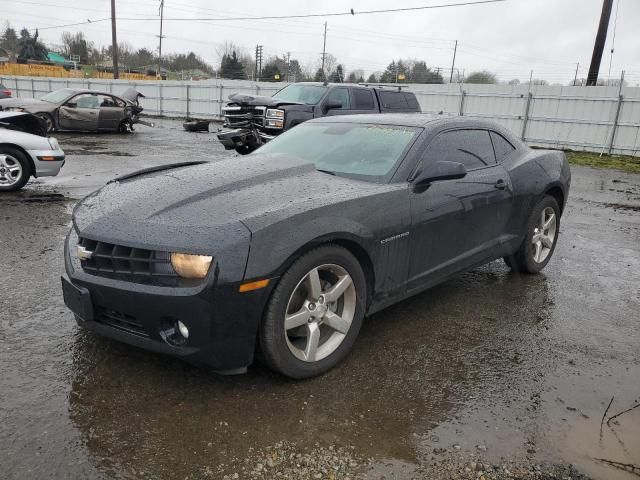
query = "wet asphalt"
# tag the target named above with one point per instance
(488, 365)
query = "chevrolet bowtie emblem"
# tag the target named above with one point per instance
(83, 253)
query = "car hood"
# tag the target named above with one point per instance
(23, 122)
(189, 207)
(255, 101)
(26, 103)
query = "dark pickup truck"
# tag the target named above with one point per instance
(250, 121)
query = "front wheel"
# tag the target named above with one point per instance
(540, 240)
(14, 169)
(314, 314)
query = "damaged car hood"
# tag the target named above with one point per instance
(190, 206)
(256, 101)
(23, 122)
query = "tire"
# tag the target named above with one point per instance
(244, 149)
(48, 119)
(532, 256)
(14, 169)
(286, 339)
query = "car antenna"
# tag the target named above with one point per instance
(325, 83)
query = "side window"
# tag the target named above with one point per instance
(362, 99)
(501, 146)
(86, 100)
(340, 95)
(393, 100)
(472, 148)
(109, 101)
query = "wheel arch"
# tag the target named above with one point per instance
(32, 167)
(556, 192)
(347, 241)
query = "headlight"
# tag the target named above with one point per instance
(53, 142)
(15, 109)
(191, 266)
(275, 113)
(273, 123)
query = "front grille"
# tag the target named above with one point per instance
(119, 320)
(239, 117)
(127, 263)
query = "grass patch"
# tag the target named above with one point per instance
(616, 162)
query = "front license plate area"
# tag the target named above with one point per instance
(78, 299)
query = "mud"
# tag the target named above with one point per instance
(490, 370)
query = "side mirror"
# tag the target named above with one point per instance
(331, 105)
(439, 171)
(71, 104)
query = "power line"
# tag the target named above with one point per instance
(332, 14)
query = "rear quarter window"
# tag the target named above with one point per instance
(412, 101)
(501, 146)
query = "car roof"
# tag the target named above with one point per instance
(408, 120)
(76, 91)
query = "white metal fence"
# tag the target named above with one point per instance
(599, 119)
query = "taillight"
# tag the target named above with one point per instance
(7, 92)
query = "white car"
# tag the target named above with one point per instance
(26, 151)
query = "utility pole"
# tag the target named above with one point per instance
(159, 75)
(598, 47)
(324, 48)
(288, 65)
(258, 67)
(453, 64)
(114, 41)
(575, 77)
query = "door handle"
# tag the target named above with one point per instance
(500, 184)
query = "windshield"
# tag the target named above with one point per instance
(309, 94)
(57, 96)
(363, 151)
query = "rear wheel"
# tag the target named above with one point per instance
(540, 240)
(314, 314)
(14, 169)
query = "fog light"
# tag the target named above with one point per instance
(182, 328)
(173, 331)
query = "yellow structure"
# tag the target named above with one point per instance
(32, 70)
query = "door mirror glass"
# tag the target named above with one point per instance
(71, 104)
(441, 170)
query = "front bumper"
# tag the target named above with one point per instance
(47, 163)
(222, 322)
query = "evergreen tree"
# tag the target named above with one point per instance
(420, 73)
(9, 40)
(269, 73)
(338, 74)
(319, 76)
(351, 78)
(231, 67)
(372, 78)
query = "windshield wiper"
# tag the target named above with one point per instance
(326, 171)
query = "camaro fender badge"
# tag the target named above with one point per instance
(394, 237)
(83, 253)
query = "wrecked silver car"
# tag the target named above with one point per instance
(26, 150)
(82, 110)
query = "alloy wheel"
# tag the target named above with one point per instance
(320, 312)
(10, 170)
(544, 234)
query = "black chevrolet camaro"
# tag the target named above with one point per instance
(284, 251)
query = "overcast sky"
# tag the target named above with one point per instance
(508, 38)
